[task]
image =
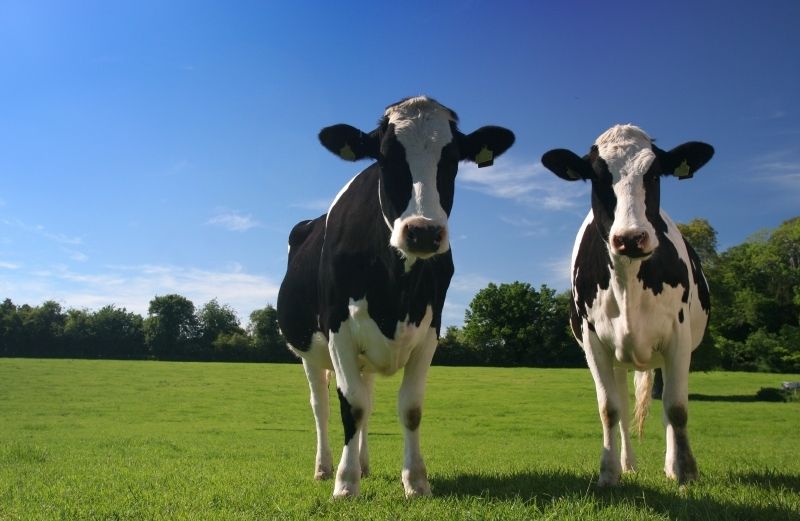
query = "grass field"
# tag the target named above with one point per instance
(156, 440)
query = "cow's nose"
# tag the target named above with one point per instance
(632, 244)
(423, 238)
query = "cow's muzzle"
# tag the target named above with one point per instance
(423, 239)
(633, 244)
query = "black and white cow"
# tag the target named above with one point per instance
(640, 299)
(366, 282)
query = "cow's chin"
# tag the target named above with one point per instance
(637, 256)
(412, 256)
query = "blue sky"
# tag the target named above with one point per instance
(157, 147)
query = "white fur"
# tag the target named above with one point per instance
(423, 128)
(627, 151)
(633, 327)
(356, 353)
(636, 329)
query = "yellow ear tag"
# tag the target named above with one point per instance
(485, 157)
(347, 153)
(682, 171)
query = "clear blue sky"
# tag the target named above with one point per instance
(156, 147)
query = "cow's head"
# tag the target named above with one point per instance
(625, 169)
(418, 146)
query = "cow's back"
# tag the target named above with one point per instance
(299, 294)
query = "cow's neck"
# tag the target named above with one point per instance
(627, 288)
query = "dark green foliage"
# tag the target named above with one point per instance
(513, 324)
(266, 336)
(755, 320)
(771, 394)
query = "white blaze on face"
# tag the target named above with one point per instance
(423, 128)
(627, 151)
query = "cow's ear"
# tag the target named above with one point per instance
(567, 165)
(485, 144)
(684, 160)
(349, 143)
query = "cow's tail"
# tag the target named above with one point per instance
(643, 381)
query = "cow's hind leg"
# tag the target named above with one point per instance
(355, 405)
(679, 463)
(601, 364)
(627, 456)
(409, 407)
(318, 383)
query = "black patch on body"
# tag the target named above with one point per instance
(664, 266)
(592, 269)
(680, 316)
(697, 276)
(352, 259)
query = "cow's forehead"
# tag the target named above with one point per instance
(626, 149)
(421, 116)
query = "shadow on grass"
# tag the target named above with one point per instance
(769, 479)
(548, 487)
(739, 398)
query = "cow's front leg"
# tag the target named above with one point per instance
(679, 463)
(355, 405)
(409, 407)
(318, 383)
(363, 450)
(601, 364)
(627, 456)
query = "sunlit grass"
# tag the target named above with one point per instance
(156, 440)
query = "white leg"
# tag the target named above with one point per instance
(409, 407)
(363, 450)
(679, 463)
(601, 364)
(318, 383)
(355, 406)
(628, 458)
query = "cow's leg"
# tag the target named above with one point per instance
(363, 450)
(601, 364)
(354, 402)
(318, 383)
(409, 407)
(628, 458)
(679, 463)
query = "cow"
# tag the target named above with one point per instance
(366, 281)
(639, 296)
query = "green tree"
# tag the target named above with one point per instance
(213, 320)
(703, 238)
(42, 330)
(513, 324)
(118, 333)
(10, 329)
(171, 328)
(268, 341)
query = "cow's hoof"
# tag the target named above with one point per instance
(364, 470)
(323, 474)
(344, 490)
(417, 489)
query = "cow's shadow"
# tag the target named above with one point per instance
(546, 487)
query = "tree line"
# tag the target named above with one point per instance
(754, 326)
(172, 330)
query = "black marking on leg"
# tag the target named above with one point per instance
(678, 416)
(413, 418)
(687, 466)
(350, 417)
(610, 417)
(680, 316)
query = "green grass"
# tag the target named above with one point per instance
(156, 440)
